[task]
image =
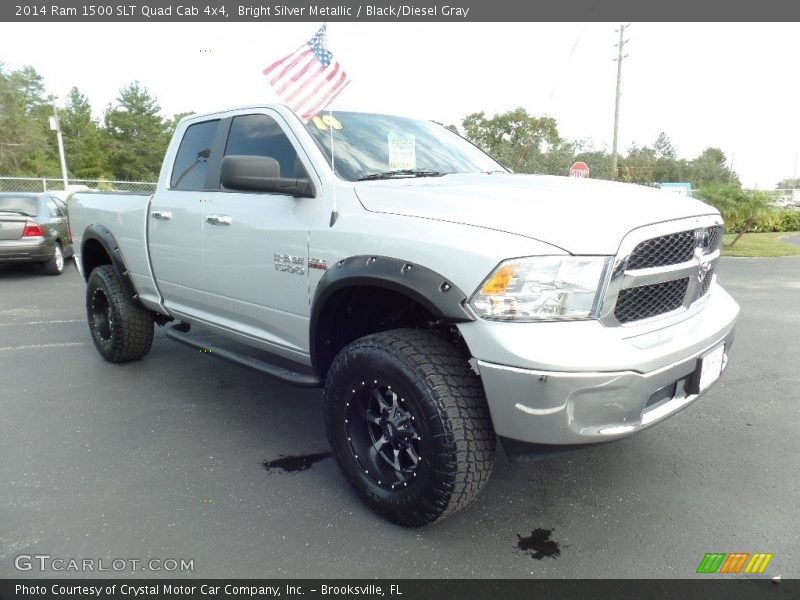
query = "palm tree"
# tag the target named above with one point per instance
(754, 205)
(740, 208)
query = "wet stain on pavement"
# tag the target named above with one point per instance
(539, 544)
(292, 464)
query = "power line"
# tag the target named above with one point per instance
(569, 61)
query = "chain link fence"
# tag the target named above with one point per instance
(46, 184)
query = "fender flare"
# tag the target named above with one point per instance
(102, 235)
(437, 294)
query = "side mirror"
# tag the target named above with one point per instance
(261, 174)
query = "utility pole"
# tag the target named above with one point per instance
(620, 56)
(55, 125)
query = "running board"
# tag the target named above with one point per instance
(286, 375)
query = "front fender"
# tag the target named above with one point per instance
(434, 292)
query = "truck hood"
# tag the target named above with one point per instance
(581, 216)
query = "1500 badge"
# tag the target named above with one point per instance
(290, 264)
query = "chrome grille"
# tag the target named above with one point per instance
(671, 249)
(662, 273)
(714, 239)
(705, 285)
(647, 301)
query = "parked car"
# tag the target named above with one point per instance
(34, 228)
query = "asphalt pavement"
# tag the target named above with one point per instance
(164, 459)
(792, 239)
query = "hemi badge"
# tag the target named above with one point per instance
(318, 263)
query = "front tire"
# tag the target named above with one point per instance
(121, 329)
(55, 266)
(409, 425)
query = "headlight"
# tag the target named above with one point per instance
(542, 288)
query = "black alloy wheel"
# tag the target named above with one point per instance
(382, 433)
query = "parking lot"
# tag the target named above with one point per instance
(164, 458)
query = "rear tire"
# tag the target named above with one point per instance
(408, 422)
(55, 266)
(121, 329)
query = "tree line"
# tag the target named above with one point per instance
(127, 143)
(530, 144)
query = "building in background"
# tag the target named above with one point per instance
(682, 188)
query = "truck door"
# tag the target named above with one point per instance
(256, 244)
(175, 222)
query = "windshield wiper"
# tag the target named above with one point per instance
(16, 212)
(402, 173)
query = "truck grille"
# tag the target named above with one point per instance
(662, 274)
(714, 239)
(706, 284)
(665, 250)
(648, 301)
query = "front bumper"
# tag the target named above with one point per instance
(564, 405)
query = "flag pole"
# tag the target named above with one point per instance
(308, 80)
(334, 212)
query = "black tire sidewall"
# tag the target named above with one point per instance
(427, 495)
(131, 327)
(98, 283)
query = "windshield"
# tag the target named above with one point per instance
(370, 146)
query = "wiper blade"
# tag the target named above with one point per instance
(16, 212)
(402, 173)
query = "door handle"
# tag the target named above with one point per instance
(163, 215)
(219, 219)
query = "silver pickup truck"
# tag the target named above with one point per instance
(440, 300)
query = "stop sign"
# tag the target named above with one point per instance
(579, 169)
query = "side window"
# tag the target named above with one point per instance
(60, 207)
(260, 135)
(191, 163)
(52, 208)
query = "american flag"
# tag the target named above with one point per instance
(308, 79)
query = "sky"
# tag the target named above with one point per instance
(733, 86)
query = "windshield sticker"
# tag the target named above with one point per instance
(325, 121)
(402, 151)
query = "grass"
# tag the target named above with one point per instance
(760, 244)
